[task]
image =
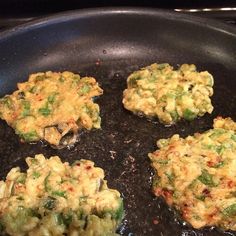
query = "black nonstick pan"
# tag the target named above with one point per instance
(109, 44)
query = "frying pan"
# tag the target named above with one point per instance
(109, 44)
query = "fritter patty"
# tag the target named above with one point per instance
(52, 106)
(53, 198)
(160, 91)
(197, 175)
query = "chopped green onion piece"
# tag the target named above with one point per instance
(33, 89)
(45, 111)
(174, 115)
(67, 219)
(7, 101)
(230, 210)
(217, 133)
(200, 197)
(26, 108)
(233, 137)
(21, 179)
(170, 177)
(52, 97)
(133, 81)
(85, 89)
(162, 162)
(36, 174)
(207, 178)
(218, 165)
(189, 115)
(40, 78)
(29, 136)
(162, 66)
(46, 184)
(59, 193)
(61, 79)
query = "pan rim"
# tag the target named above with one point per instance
(65, 16)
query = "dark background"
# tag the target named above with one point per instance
(22, 56)
(19, 6)
(14, 12)
(51, 5)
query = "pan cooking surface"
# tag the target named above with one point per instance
(110, 44)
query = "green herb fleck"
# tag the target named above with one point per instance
(174, 115)
(132, 82)
(40, 78)
(218, 165)
(219, 149)
(156, 182)
(1, 227)
(208, 146)
(162, 143)
(61, 79)
(67, 219)
(162, 66)
(80, 214)
(197, 217)
(7, 101)
(207, 178)
(34, 161)
(46, 184)
(83, 199)
(230, 210)
(189, 115)
(85, 89)
(21, 179)
(119, 212)
(26, 108)
(116, 214)
(216, 133)
(170, 177)
(152, 78)
(20, 198)
(45, 111)
(192, 184)
(162, 162)
(33, 89)
(89, 110)
(29, 136)
(176, 194)
(58, 218)
(59, 193)
(52, 97)
(200, 197)
(64, 219)
(36, 174)
(76, 78)
(233, 137)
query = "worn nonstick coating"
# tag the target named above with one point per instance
(109, 44)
